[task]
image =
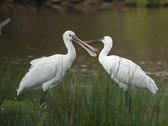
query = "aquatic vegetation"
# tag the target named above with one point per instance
(137, 2)
(147, 2)
(159, 2)
(90, 2)
(81, 101)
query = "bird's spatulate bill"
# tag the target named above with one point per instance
(83, 44)
(90, 52)
(93, 41)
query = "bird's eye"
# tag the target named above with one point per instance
(69, 35)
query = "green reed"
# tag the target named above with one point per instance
(81, 101)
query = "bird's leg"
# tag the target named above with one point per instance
(128, 100)
(42, 108)
(42, 99)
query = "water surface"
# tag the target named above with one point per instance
(139, 34)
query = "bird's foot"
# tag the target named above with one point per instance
(42, 105)
(42, 99)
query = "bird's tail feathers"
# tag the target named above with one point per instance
(20, 88)
(152, 86)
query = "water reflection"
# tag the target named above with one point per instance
(138, 34)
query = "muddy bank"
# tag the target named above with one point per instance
(65, 6)
(76, 6)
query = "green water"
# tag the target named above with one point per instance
(139, 34)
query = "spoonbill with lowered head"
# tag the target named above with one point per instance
(45, 72)
(123, 71)
(2, 24)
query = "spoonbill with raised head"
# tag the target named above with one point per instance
(45, 72)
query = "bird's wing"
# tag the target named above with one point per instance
(40, 73)
(122, 69)
(130, 63)
(2, 24)
(36, 61)
(44, 71)
(123, 62)
(33, 62)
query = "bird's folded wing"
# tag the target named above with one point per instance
(33, 62)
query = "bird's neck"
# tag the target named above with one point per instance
(105, 51)
(71, 54)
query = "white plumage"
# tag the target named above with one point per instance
(123, 71)
(45, 72)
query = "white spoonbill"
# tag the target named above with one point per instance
(2, 24)
(123, 71)
(45, 72)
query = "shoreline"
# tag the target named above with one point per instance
(81, 8)
(83, 3)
